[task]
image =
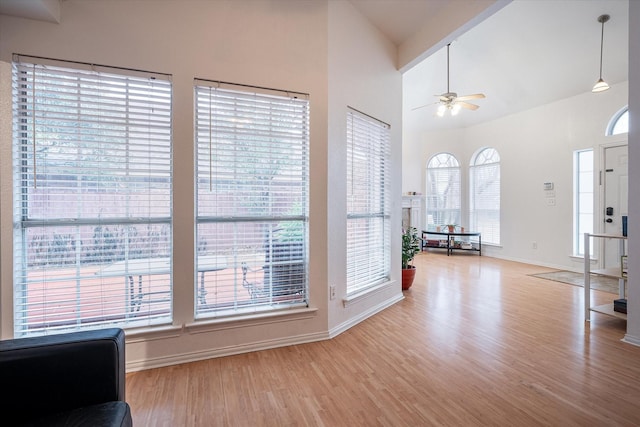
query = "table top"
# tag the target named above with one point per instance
(142, 266)
(607, 236)
(446, 233)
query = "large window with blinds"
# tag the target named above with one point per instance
(485, 195)
(368, 205)
(91, 197)
(252, 202)
(443, 190)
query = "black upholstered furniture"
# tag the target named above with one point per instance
(73, 379)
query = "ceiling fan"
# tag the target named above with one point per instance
(450, 101)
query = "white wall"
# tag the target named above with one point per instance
(535, 146)
(362, 75)
(5, 189)
(277, 43)
(633, 319)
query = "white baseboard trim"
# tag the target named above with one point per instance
(631, 340)
(334, 332)
(159, 362)
(140, 365)
(536, 263)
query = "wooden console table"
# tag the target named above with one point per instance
(449, 244)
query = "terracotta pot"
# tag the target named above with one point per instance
(408, 274)
(452, 228)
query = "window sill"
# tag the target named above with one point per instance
(365, 293)
(149, 333)
(241, 321)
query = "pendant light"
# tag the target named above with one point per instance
(601, 85)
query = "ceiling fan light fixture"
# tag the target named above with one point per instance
(601, 85)
(451, 101)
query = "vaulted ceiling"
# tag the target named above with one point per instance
(40, 10)
(527, 53)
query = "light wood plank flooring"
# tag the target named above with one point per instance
(476, 342)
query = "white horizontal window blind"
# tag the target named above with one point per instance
(252, 199)
(368, 207)
(91, 197)
(443, 190)
(485, 195)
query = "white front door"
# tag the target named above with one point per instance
(616, 191)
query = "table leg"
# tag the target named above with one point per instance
(621, 290)
(135, 300)
(202, 295)
(139, 292)
(131, 294)
(587, 279)
(134, 303)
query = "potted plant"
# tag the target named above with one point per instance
(410, 247)
(450, 227)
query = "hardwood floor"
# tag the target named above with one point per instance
(476, 342)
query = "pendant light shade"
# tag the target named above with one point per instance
(601, 85)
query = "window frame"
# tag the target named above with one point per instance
(266, 129)
(484, 160)
(582, 176)
(449, 165)
(368, 150)
(621, 116)
(73, 124)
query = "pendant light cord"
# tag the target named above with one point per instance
(602, 43)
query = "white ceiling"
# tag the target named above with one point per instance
(527, 54)
(400, 19)
(40, 10)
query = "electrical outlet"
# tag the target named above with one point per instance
(534, 245)
(332, 292)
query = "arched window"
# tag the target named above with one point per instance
(484, 203)
(619, 123)
(443, 190)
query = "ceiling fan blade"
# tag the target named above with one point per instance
(467, 105)
(468, 97)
